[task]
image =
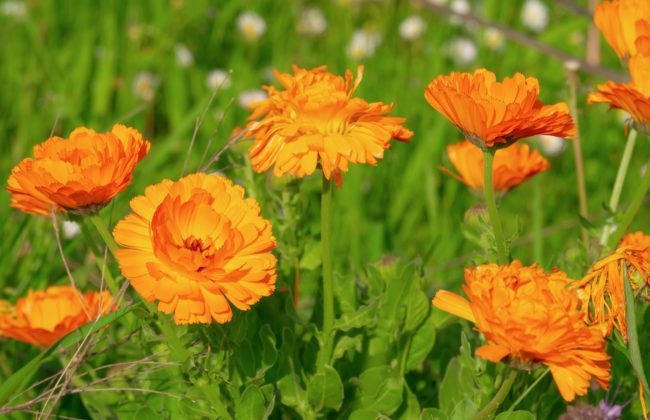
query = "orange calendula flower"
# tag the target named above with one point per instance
(530, 317)
(511, 166)
(46, 316)
(314, 119)
(80, 174)
(624, 23)
(603, 288)
(496, 114)
(196, 245)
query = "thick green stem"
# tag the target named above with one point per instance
(491, 407)
(635, 205)
(618, 184)
(103, 231)
(538, 221)
(328, 289)
(495, 221)
(632, 335)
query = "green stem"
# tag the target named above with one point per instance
(632, 335)
(99, 259)
(538, 221)
(620, 179)
(527, 391)
(488, 190)
(103, 231)
(498, 398)
(635, 205)
(328, 290)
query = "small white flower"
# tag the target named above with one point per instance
(14, 9)
(144, 86)
(311, 22)
(643, 170)
(251, 25)
(462, 50)
(363, 44)
(494, 39)
(70, 229)
(218, 79)
(249, 97)
(551, 145)
(412, 28)
(184, 57)
(534, 15)
(459, 6)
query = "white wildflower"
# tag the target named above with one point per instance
(251, 25)
(412, 28)
(144, 86)
(311, 22)
(459, 6)
(70, 229)
(462, 50)
(14, 9)
(551, 145)
(363, 44)
(184, 57)
(494, 39)
(218, 79)
(534, 15)
(249, 97)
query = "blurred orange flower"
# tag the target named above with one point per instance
(80, 174)
(624, 23)
(511, 166)
(496, 114)
(195, 245)
(530, 317)
(603, 288)
(45, 316)
(315, 119)
(633, 97)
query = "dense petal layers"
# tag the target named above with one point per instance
(315, 120)
(495, 114)
(512, 165)
(532, 317)
(603, 288)
(45, 316)
(197, 246)
(79, 174)
(624, 24)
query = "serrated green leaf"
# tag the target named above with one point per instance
(516, 415)
(345, 344)
(251, 405)
(417, 309)
(363, 317)
(325, 389)
(381, 390)
(422, 343)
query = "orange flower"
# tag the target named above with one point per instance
(603, 288)
(46, 316)
(315, 119)
(511, 166)
(496, 114)
(632, 97)
(80, 174)
(531, 317)
(195, 245)
(623, 24)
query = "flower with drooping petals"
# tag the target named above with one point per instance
(197, 246)
(496, 114)
(45, 316)
(623, 23)
(529, 316)
(80, 174)
(511, 166)
(603, 288)
(315, 119)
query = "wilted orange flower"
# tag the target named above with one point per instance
(195, 245)
(530, 316)
(496, 114)
(623, 24)
(511, 166)
(45, 316)
(80, 174)
(315, 119)
(603, 288)
(633, 97)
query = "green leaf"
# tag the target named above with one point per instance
(457, 385)
(422, 343)
(363, 317)
(345, 344)
(312, 256)
(433, 414)
(325, 390)
(269, 351)
(516, 415)
(364, 414)
(381, 390)
(418, 308)
(252, 404)
(633, 337)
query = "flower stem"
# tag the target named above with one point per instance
(488, 190)
(527, 391)
(498, 398)
(99, 259)
(635, 205)
(620, 179)
(632, 335)
(103, 231)
(328, 290)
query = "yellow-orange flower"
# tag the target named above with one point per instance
(511, 166)
(195, 245)
(530, 316)
(623, 23)
(496, 114)
(45, 316)
(633, 97)
(80, 174)
(603, 288)
(314, 119)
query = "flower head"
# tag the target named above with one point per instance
(80, 174)
(218, 79)
(412, 28)
(315, 119)
(197, 245)
(496, 114)
(534, 15)
(145, 85)
(251, 25)
(623, 23)
(494, 39)
(45, 316)
(511, 166)
(530, 316)
(364, 43)
(462, 50)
